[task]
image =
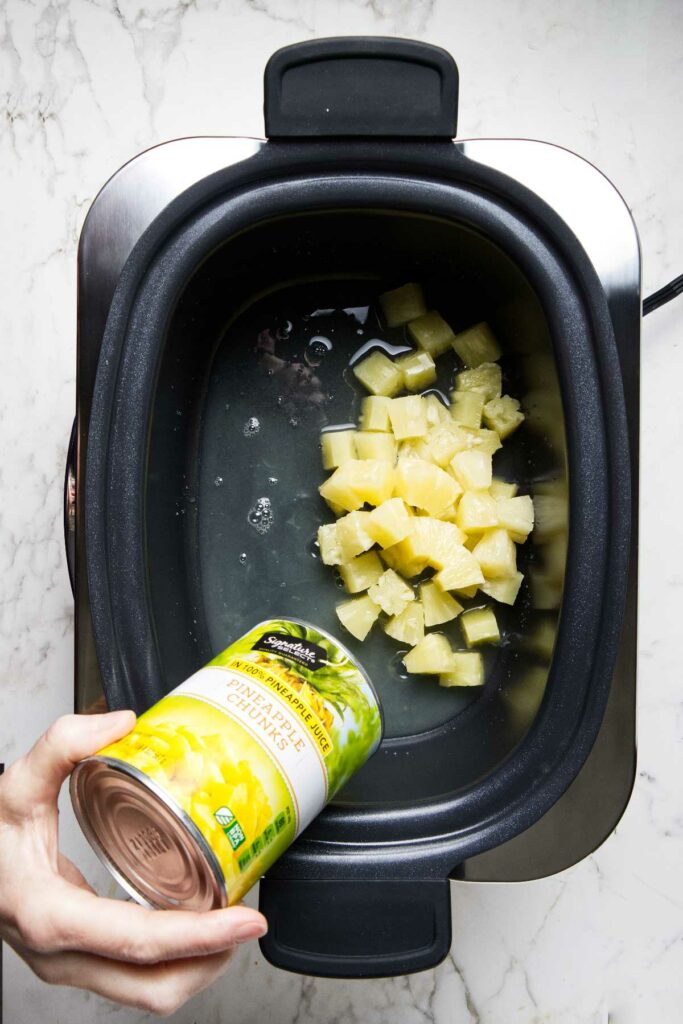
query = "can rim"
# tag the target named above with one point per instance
(347, 652)
(179, 812)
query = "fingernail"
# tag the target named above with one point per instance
(250, 930)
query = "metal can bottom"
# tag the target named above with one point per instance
(144, 838)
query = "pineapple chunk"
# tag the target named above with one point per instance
(352, 535)
(504, 590)
(466, 408)
(391, 593)
(419, 448)
(496, 554)
(486, 380)
(467, 591)
(541, 639)
(402, 304)
(397, 559)
(516, 515)
(477, 345)
(502, 489)
(379, 375)
(375, 413)
(328, 542)
(390, 522)
(408, 417)
(337, 509)
(503, 415)
(462, 571)
(438, 606)
(431, 333)
(546, 590)
(472, 469)
(371, 479)
(423, 484)
(468, 670)
(476, 512)
(372, 444)
(479, 626)
(408, 627)
(436, 410)
(338, 490)
(430, 656)
(551, 514)
(337, 447)
(418, 369)
(358, 615)
(361, 572)
(431, 542)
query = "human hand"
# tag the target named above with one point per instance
(66, 933)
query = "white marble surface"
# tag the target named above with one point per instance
(87, 84)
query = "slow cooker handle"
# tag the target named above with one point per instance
(355, 928)
(70, 508)
(360, 86)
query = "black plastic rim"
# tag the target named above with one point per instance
(530, 781)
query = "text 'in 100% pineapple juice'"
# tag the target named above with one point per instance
(220, 776)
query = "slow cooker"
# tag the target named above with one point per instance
(194, 253)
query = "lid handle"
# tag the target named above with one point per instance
(360, 86)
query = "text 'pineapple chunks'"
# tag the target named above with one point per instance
(479, 626)
(375, 413)
(375, 444)
(379, 375)
(337, 447)
(403, 304)
(485, 380)
(467, 670)
(408, 626)
(503, 415)
(391, 593)
(431, 333)
(389, 522)
(408, 417)
(477, 345)
(496, 554)
(361, 572)
(328, 542)
(424, 485)
(358, 615)
(352, 535)
(432, 655)
(438, 606)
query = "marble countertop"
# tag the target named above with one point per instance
(89, 83)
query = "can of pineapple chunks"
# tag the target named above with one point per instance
(218, 778)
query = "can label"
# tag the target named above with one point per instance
(253, 745)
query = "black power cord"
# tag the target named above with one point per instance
(665, 294)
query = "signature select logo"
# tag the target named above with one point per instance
(302, 651)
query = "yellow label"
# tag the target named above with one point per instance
(305, 713)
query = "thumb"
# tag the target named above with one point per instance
(41, 772)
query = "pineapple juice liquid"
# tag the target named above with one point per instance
(220, 776)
